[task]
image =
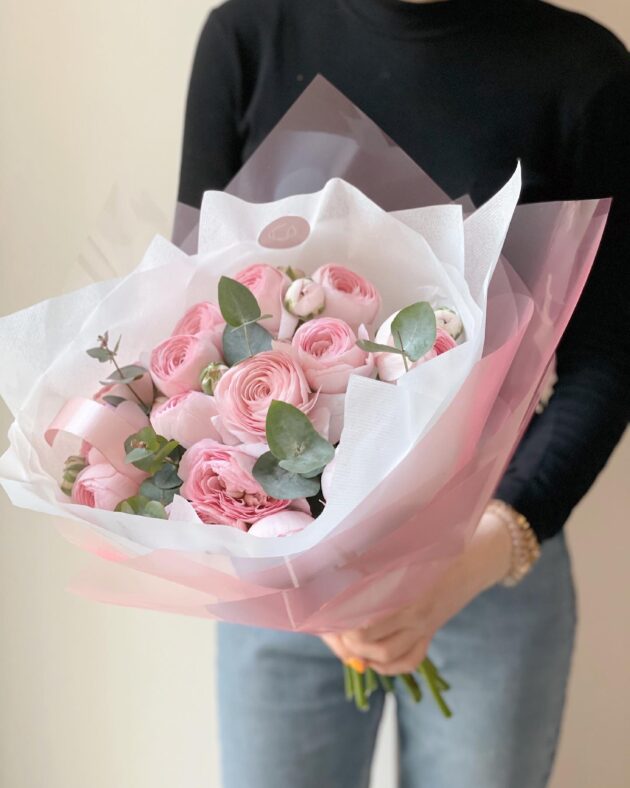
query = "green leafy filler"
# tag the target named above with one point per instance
(297, 454)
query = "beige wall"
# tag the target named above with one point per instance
(92, 96)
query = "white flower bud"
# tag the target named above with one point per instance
(305, 298)
(449, 321)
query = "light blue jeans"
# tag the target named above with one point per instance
(284, 721)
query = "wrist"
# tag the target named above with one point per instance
(525, 545)
(491, 550)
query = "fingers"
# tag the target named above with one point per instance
(381, 651)
(382, 628)
(406, 663)
(336, 645)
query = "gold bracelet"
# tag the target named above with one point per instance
(525, 545)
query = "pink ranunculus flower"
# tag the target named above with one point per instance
(102, 487)
(202, 318)
(186, 418)
(245, 392)
(281, 524)
(177, 363)
(219, 484)
(326, 349)
(390, 366)
(349, 296)
(268, 285)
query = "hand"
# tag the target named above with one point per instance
(397, 643)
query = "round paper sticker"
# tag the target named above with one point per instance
(285, 233)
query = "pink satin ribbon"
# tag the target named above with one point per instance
(101, 427)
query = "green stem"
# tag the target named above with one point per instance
(387, 683)
(371, 682)
(358, 687)
(347, 683)
(129, 386)
(436, 685)
(413, 686)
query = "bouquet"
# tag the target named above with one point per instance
(315, 404)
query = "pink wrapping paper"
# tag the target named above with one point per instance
(404, 534)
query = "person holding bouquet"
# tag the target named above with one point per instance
(467, 88)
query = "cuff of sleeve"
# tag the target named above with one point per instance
(545, 517)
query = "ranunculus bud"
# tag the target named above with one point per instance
(305, 298)
(449, 321)
(71, 469)
(210, 376)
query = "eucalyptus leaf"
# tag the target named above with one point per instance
(133, 505)
(309, 468)
(100, 353)
(292, 438)
(166, 447)
(237, 303)
(146, 436)
(414, 329)
(125, 507)
(156, 510)
(135, 455)
(126, 374)
(151, 491)
(282, 484)
(244, 342)
(115, 401)
(141, 505)
(375, 347)
(313, 474)
(166, 478)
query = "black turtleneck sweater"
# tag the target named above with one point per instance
(465, 87)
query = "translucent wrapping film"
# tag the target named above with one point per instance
(417, 461)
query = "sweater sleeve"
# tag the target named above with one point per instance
(212, 144)
(567, 446)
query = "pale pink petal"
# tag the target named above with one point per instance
(281, 524)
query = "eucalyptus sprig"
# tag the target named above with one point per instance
(297, 454)
(243, 336)
(414, 330)
(141, 505)
(159, 457)
(149, 451)
(123, 375)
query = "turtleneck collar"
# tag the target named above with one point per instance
(423, 20)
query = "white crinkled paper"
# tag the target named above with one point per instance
(409, 256)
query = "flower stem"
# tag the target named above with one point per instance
(358, 687)
(129, 386)
(371, 682)
(347, 683)
(386, 683)
(413, 686)
(436, 685)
